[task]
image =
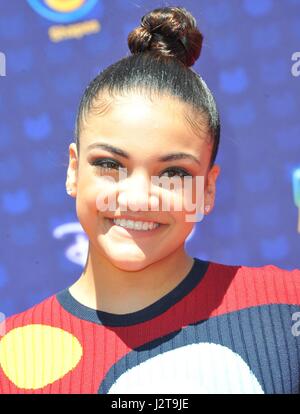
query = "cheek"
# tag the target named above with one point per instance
(87, 191)
(187, 199)
(181, 225)
(86, 212)
(95, 197)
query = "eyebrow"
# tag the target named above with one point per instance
(164, 158)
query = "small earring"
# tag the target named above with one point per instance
(207, 208)
(69, 191)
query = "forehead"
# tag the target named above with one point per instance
(141, 122)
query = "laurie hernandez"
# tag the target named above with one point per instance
(144, 316)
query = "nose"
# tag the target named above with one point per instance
(133, 192)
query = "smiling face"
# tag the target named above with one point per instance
(137, 134)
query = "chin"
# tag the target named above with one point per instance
(130, 265)
(129, 260)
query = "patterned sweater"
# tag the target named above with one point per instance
(223, 329)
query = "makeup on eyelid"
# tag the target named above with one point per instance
(115, 165)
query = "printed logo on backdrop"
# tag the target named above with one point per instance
(296, 66)
(68, 11)
(2, 64)
(76, 252)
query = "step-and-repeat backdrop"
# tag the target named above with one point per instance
(51, 49)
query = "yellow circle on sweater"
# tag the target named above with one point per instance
(34, 356)
(64, 6)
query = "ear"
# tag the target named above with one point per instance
(72, 172)
(210, 189)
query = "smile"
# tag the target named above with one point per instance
(134, 228)
(136, 225)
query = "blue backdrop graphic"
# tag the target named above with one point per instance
(246, 61)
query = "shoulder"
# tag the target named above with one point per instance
(256, 285)
(33, 339)
(40, 313)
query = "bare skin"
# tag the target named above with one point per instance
(124, 272)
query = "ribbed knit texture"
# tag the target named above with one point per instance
(223, 329)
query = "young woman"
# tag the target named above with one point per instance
(144, 316)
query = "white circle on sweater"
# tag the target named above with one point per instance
(203, 368)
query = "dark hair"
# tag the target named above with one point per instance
(163, 48)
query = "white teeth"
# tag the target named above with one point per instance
(129, 224)
(136, 225)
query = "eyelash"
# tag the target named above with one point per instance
(100, 161)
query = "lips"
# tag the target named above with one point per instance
(126, 232)
(136, 225)
(134, 218)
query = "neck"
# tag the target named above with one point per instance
(105, 287)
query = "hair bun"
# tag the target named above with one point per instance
(168, 31)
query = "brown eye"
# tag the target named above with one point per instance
(177, 171)
(105, 164)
